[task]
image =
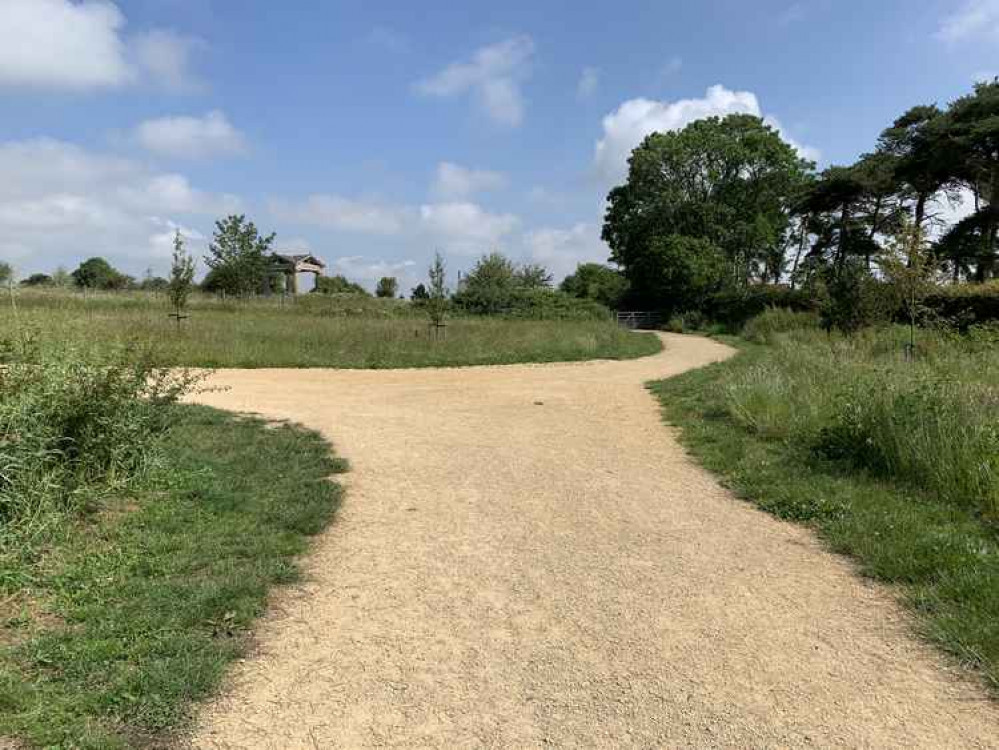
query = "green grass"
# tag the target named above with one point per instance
(316, 331)
(134, 610)
(889, 461)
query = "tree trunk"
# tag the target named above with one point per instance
(801, 249)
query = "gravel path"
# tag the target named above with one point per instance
(527, 559)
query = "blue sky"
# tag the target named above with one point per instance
(374, 133)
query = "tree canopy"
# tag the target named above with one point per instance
(97, 273)
(237, 257)
(723, 185)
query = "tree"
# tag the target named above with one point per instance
(181, 276)
(726, 183)
(679, 272)
(908, 270)
(597, 282)
(533, 276)
(495, 281)
(338, 285)
(419, 293)
(237, 256)
(61, 277)
(438, 303)
(387, 288)
(97, 273)
(916, 141)
(6, 272)
(971, 128)
(37, 279)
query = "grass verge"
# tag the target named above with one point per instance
(317, 332)
(943, 556)
(134, 611)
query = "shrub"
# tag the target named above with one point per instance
(965, 305)
(765, 327)
(735, 307)
(548, 304)
(74, 423)
(338, 285)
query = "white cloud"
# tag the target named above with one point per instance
(466, 227)
(492, 76)
(589, 81)
(60, 203)
(805, 152)
(561, 250)
(627, 126)
(458, 226)
(191, 137)
(360, 268)
(58, 44)
(79, 46)
(454, 181)
(975, 18)
(165, 57)
(347, 214)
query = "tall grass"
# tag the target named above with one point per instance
(892, 461)
(74, 424)
(317, 331)
(931, 423)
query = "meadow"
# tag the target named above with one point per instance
(347, 331)
(892, 458)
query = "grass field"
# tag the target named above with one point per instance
(894, 463)
(133, 610)
(314, 331)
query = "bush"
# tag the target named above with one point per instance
(535, 304)
(735, 307)
(75, 423)
(338, 285)
(689, 321)
(964, 305)
(765, 327)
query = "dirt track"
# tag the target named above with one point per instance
(526, 558)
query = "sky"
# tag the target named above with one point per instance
(374, 134)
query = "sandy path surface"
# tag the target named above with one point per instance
(526, 558)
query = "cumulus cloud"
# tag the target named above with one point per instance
(589, 81)
(348, 214)
(466, 227)
(63, 45)
(974, 18)
(188, 137)
(80, 46)
(627, 126)
(60, 203)
(561, 250)
(457, 226)
(492, 77)
(165, 57)
(454, 181)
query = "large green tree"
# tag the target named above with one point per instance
(97, 273)
(597, 282)
(972, 131)
(726, 183)
(238, 256)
